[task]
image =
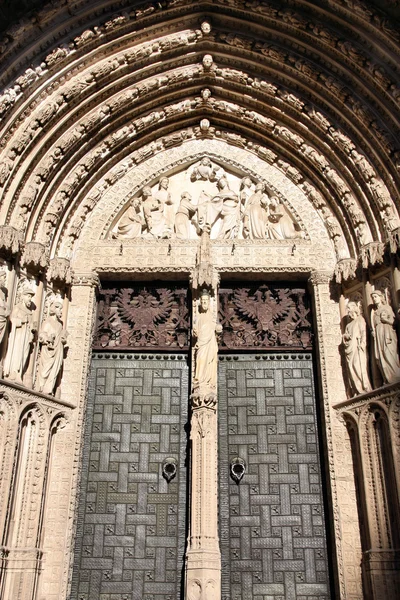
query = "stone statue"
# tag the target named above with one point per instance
(255, 217)
(204, 171)
(164, 197)
(52, 340)
(385, 338)
(355, 347)
(4, 312)
(153, 209)
(206, 347)
(185, 212)
(229, 210)
(21, 336)
(131, 222)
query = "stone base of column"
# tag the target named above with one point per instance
(381, 569)
(20, 567)
(203, 575)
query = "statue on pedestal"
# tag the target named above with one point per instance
(355, 347)
(21, 336)
(4, 312)
(205, 331)
(52, 340)
(385, 338)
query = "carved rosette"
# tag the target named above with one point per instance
(34, 257)
(10, 241)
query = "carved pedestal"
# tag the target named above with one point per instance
(203, 555)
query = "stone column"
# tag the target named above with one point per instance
(203, 558)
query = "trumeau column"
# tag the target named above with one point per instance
(203, 558)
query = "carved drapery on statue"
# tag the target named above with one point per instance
(355, 348)
(205, 196)
(142, 317)
(264, 316)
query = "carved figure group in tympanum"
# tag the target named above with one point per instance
(206, 197)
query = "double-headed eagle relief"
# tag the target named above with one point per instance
(205, 197)
(142, 317)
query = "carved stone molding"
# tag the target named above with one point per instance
(10, 241)
(89, 278)
(60, 271)
(386, 395)
(372, 254)
(345, 270)
(34, 257)
(320, 278)
(21, 397)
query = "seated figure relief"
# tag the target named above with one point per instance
(205, 196)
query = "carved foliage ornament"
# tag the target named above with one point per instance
(264, 316)
(142, 317)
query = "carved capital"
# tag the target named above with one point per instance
(89, 278)
(10, 241)
(394, 240)
(319, 278)
(60, 271)
(372, 254)
(203, 399)
(345, 269)
(35, 257)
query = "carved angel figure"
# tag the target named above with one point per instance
(204, 171)
(143, 313)
(206, 348)
(52, 340)
(385, 338)
(21, 336)
(355, 348)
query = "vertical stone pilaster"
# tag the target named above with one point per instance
(58, 538)
(331, 390)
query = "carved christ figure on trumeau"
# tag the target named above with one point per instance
(205, 331)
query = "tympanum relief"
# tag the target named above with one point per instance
(206, 197)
